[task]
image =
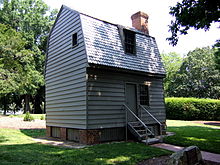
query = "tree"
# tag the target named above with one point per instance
(33, 19)
(193, 13)
(198, 14)
(18, 73)
(172, 62)
(217, 55)
(197, 76)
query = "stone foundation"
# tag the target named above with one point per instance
(63, 134)
(94, 136)
(48, 131)
(86, 136)
(89, 136)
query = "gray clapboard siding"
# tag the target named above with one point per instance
(63, 44)
(66, 74)
(62, 67)
(66, 100)
(106, 95)
(66, 57)
(67, 83)
(70, 112)
(63, 78)
(67, 124)
(71, 89)
(66, 93)
(74, 108)
(59, 30)
(69, 117)
(75, 103)
(63, 97)
(68, 30)
(79, 67)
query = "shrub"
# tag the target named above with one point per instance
(28, 117)
(192, 109)
(42, 117)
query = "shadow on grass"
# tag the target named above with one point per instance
(3, 139)
(207, 139)
(34, 132)
(116, 153)
(212, 123)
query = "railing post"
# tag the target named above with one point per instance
(139, 107)
(126, 129)
(146, 136)
(160, 130)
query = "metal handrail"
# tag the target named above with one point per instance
(127, 109)
(150, 114)
(160, 127)
(135, 116)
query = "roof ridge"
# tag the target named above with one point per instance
(118, 25)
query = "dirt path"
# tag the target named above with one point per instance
(18, 123)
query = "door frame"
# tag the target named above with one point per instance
(136, 89)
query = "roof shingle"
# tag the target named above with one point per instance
(104, 47)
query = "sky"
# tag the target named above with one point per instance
(120, 11)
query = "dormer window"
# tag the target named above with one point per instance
(74, 39)
(129, 41)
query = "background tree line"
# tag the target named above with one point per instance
(24, 27)
(195, 75)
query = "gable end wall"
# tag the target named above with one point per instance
(66, 73)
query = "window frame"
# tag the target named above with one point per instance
(74, 40)
(144, 94)
(129, 41)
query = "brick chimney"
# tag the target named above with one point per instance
(140, 22)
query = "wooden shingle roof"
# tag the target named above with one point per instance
(104, 47)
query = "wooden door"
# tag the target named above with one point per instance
(131, 100)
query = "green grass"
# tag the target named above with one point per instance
(17, 147)
(36, 116)
(206, 137)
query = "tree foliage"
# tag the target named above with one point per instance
(197, 76)
(172, 62)
(198, 14)
(32, 19)
(17, 65)
(217, 55)
(193, 13)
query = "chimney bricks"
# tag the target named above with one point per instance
(140, 22)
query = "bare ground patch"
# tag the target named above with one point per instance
(18, 123)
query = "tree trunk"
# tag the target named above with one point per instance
(5, 109)
(4, 105)
(27, 103)
(44, 107)
(37, 105)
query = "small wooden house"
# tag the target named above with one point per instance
(103, 80)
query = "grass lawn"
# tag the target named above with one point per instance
(188, 133)
(17, 147)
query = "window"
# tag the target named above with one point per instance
(129, 41)
(144, 95)
(74, 39)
